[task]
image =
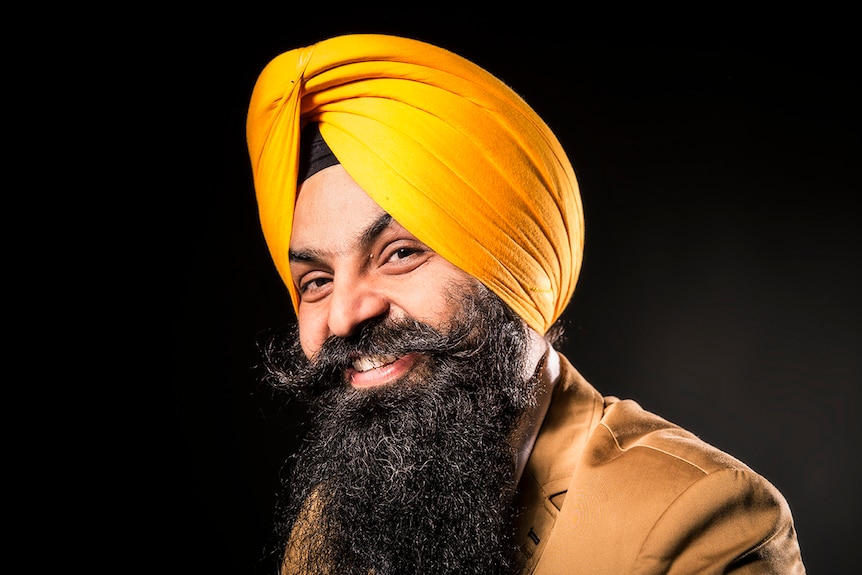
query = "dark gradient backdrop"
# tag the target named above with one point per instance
(720, 287)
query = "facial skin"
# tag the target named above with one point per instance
(351, 262)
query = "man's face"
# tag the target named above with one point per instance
(351, 263)
(417, 378)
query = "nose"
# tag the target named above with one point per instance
(352, 304)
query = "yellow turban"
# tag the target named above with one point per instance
(447, 149)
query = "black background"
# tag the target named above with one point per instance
(719, 173)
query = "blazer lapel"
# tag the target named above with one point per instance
(574, 412)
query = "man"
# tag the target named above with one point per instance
(429, 229)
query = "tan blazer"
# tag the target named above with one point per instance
(612, 489)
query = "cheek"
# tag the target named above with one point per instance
(429, 309)
(312, 333)
(436, 302)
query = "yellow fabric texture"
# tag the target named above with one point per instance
(452, 153)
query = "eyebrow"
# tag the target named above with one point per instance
(366, 238)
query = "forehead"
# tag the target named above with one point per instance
(332, 186)
(331, 207)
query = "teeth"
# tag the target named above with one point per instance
(371, 362)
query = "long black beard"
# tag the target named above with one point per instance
(414, 477)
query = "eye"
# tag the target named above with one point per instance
(402, 254)
(313, 286)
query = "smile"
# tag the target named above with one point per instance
(373, 370)
(372, 362)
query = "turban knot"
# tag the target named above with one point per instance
(447, 149)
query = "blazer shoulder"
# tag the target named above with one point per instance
(625, 426)
(732, 518)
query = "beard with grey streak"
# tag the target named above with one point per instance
(413, 477)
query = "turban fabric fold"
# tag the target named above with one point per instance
(447, 149)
